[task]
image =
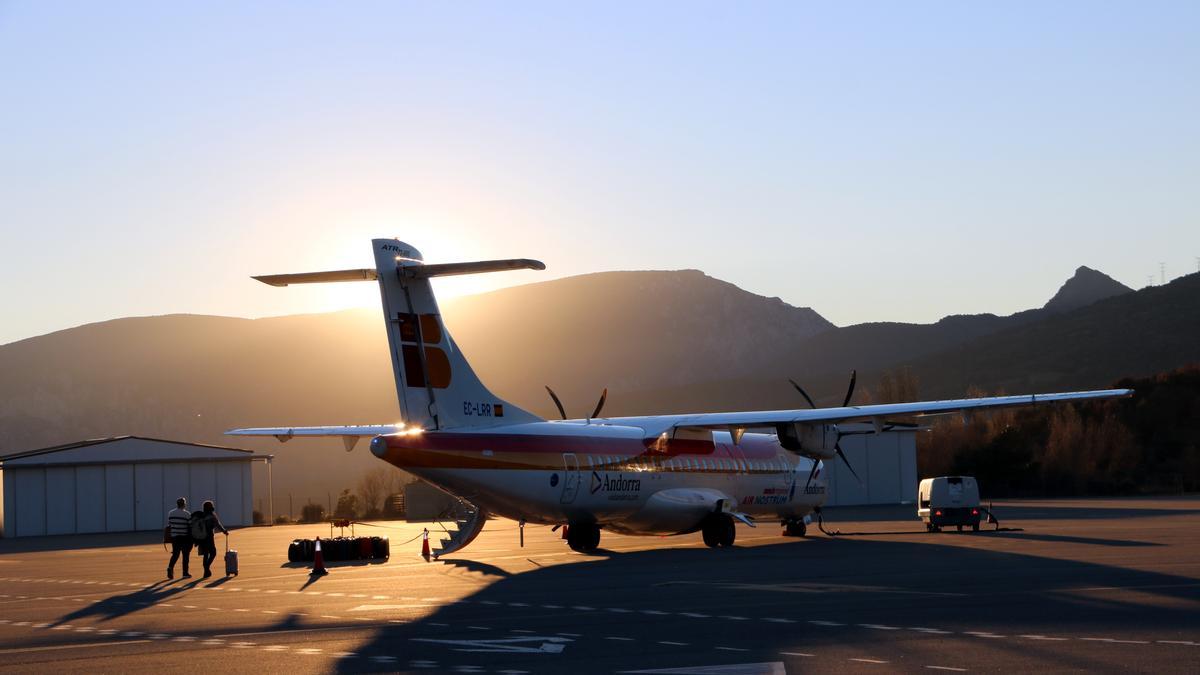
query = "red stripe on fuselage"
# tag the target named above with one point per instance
(752, 446)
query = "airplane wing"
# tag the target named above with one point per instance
(348, 434)
(873, 413)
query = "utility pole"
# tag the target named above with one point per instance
(1162, 270)
(1149, 280)
(1198, 263)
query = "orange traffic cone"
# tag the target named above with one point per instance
(318, 569)
(425, 545)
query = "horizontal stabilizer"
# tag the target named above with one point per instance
(287, 433)
(416, 271)
(317, 277)
(453, 269)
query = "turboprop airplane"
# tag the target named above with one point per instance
(652, 475)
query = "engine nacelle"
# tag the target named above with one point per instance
(815, 441)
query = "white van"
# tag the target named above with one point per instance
(948, 500)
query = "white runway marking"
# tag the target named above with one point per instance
(520, 645)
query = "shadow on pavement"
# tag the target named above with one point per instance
(731, 595)
(115, 606)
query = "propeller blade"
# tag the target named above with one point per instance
(804, 394)
(850, 391)
(557, 402)
(838, 448)
(810, 476)
(600, 404)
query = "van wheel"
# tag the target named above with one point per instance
(974, 527)
(960, 528)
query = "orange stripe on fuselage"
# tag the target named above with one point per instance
(451, 450)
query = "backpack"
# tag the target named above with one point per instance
(197, 526)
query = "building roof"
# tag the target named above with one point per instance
(92, 450)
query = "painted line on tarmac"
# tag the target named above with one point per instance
(85, 645)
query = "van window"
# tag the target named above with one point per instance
(954, 480)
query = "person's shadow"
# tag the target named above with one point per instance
(112, 607)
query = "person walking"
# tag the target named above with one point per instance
(181, 537)
(208, 545)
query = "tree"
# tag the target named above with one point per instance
(347, 505)
(377, 485)
(312, 513)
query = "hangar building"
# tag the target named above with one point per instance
(886, 463)
(120, 484)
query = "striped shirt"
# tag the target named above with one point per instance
(178, 520)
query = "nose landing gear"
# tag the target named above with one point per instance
(719, 531)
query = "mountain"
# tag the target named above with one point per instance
(660, 341)
(1087, 286)
(621, 330)
(1133, 334)
(192, 377)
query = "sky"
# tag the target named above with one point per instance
(876, 161)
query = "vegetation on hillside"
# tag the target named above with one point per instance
(1149, 443)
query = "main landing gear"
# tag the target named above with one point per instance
(583, 537)
(794, 528)
(718, 530)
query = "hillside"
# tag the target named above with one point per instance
(661, 341)
(621, 330)
(1086, 287)
(192, 377)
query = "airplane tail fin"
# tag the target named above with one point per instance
(436, 386)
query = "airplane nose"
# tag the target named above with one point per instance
(378, 446)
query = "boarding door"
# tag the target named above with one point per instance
(570, 478)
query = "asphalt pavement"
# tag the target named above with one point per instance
(1074, 585)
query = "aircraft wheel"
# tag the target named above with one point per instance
(794, 528)
(583, 538)
(709, 532)
(727, 530)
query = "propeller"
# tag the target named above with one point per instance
(557, 403)
(837, 444)
(599, 404)
(562, 411)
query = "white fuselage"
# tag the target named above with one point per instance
(611, 475)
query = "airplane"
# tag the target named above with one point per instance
(651, 475)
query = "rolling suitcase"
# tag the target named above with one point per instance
(382, 547)
(231, 560)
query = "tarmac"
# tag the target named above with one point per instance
(1077, 585)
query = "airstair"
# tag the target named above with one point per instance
(468, 521)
